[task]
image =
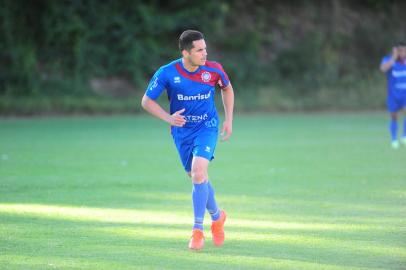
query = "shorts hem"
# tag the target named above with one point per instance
(200, 155)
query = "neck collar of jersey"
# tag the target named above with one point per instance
(183, 67)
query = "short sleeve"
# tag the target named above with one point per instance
(156, 85)
(386, 59)
(223, 81)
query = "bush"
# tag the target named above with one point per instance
(304, 53)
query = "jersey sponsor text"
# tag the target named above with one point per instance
(195, 97)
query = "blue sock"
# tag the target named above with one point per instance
(211, 204)
(199, 197)
(393, 129)
(404, 128)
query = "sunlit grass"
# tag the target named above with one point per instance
(163, 217)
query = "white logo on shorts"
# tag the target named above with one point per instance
(207, 149)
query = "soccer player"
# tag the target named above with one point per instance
(190, 84)
(395, 68)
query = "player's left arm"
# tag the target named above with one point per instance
(387, 64)
(227, 95)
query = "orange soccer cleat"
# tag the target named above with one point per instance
(217, 229)
(197, 240)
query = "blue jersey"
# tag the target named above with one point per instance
(192, 91)
(396, 78)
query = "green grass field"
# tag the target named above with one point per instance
(315, 191)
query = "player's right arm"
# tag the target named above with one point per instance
(151, 106)
(386, 65)
(154, 90)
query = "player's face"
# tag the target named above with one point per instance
(197, 56)
(402, 52)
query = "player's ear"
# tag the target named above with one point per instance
(185, 53)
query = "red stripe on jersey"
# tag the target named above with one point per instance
(204, 76)
(218, 66)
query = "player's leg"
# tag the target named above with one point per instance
(393, 108)
(393, 127)
(205, 147)
(200, 194)
(403, 140)
(211, 205)
(200, 189)
(200, 178)
(218, 218)
(196, 168)
(185, 150)
(199, 172)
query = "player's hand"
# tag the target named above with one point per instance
(226, 131)
(395, 53)
(177, 119)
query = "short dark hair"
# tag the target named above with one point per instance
(400, 44)
(187, 37)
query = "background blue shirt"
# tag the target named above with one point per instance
(396, 78)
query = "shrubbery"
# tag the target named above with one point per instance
(282, 55)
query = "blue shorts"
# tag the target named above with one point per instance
(396, 103)
(201, 144)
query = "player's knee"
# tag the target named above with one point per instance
(198, 176)
(394, 116)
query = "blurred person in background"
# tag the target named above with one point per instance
(394, 66)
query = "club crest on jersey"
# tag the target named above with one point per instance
(206, 76)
